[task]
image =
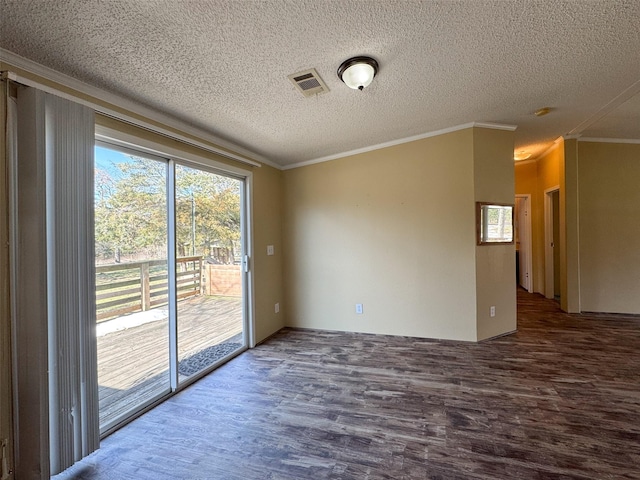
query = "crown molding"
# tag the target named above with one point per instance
(495, 126)
(555, 144)
(392, 143)
(378, 146)
(525, 162)
(610, 140)
(628, 93)
(207, 141)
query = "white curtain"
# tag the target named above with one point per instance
(53, 284)
(73, 387)
(7, 128)
(28, 284)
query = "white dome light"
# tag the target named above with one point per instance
(521, 155)
(358, 72)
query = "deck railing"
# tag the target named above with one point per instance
(138, 286)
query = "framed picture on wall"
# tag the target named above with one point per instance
(494, 223)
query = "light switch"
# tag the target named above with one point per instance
(269, 249)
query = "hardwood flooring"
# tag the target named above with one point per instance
(559, 399)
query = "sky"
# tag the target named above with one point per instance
(107, 160)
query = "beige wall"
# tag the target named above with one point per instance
(609, 219)
(267, 230)
(549, 167)
(393, 229)
(569, 241)
(495, 264)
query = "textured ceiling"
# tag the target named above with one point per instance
(223, 65)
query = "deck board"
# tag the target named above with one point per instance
(133, 363)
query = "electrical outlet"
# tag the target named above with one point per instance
(277, 307)
(493, 310)
(270, 250)
(359, 308)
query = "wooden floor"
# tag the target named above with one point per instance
(560, 399)
(133, 364)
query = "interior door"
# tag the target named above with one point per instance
(552, 243)
(523, 241)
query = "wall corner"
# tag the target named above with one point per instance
(569, 235)
(494, 181)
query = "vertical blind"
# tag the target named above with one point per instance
(73, 392)
(53, 272)
(28, 283)
(7, 106)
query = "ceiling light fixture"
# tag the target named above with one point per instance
(542, 112)
(358, 72)
(521, 155)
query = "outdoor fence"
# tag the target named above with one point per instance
(224, 280)
(139, 286)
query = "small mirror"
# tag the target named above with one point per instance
(494, 223)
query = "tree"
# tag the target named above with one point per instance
(131, 211)
(207, 214)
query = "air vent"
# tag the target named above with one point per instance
(309, 83)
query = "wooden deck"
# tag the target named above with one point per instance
(133, 363)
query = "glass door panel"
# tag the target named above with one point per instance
(209, 280)
(131, 281)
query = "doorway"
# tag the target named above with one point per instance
(552, 243)
(524, 256)
(170, 283)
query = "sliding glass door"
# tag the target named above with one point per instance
(169, 283)
(208, 268)
(131, 281)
